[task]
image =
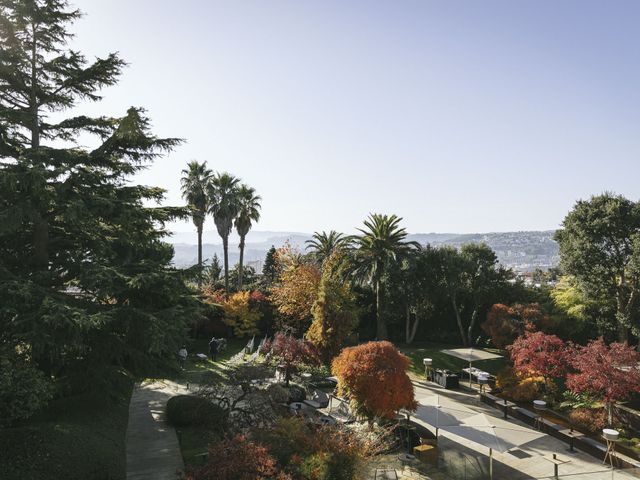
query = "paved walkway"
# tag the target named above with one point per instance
(464, 459)
(153, 452)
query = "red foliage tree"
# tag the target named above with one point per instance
(374, 378)
(539, 354)
(505, 323)
(291, 352)
(235, 459)
(608, 372)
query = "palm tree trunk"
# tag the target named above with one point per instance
(240, 263)
(381, 326)
(200, 245)
(225, 248)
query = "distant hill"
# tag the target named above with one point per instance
(522, 251)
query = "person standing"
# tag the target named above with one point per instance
(214, 345)
(182, 356)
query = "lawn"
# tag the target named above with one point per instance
(75, 438)
(194, 440)
(419, 350)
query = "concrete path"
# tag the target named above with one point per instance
(153, 452)
(461, 458)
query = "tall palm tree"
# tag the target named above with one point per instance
(381, 242)
(248, 212)
(323, 244)
(222, 191)
(194, 190)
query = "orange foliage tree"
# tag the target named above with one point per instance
(295, 293)
(373, 376)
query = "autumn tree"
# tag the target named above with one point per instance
(291, 353)
(600, 247)
(373, 376)
(235, 458)
(607, 372)
(537, 354)
(505, 323)
(296, 291)
(240, 315)
(334, 312)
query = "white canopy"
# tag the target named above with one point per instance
(493, 433)
(471, 354)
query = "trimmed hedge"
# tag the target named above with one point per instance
(191, 410)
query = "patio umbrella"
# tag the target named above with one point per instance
(493, 433)
(437, 412)
(471, 355)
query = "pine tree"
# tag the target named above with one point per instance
(84, 273)
(270, 267)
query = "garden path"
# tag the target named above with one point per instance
(153, 451)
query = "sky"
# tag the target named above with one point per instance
(459, 116)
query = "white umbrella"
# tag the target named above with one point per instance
(437, 412)
(493, 433)
(471, 355)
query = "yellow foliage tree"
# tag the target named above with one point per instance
(295, 293)
(334, 311)
(239, 314)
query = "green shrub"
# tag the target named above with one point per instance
(191, 410)
(296, 393)
(24, 390)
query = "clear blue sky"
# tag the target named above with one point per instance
(460, 116)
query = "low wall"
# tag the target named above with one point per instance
(569, 436)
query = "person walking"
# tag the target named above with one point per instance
(182, 356)
(214, 345)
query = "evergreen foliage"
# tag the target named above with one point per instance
(85, 277)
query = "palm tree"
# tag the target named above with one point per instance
(380, 243)
(223, 205)
(194, 190)
(248, 212)
(323, 244)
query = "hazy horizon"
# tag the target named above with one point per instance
(460, 117)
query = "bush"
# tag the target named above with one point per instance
(191, 410)
(516, 388)
(296, 394)
(326, 453)
(24, 390)
(592, 420)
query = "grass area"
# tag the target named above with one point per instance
(75, 438)
(419, 350)
(194, 440)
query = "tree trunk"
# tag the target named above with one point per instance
(621, 311)
(240, 263)
(381, 326)
(199, 227)
(474, 318)
(225, 248)
(609, 414)
(411, 330)
(40, 223)
(459, 320)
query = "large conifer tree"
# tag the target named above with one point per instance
(84, 274)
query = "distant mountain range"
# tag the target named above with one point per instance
(522, 251)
